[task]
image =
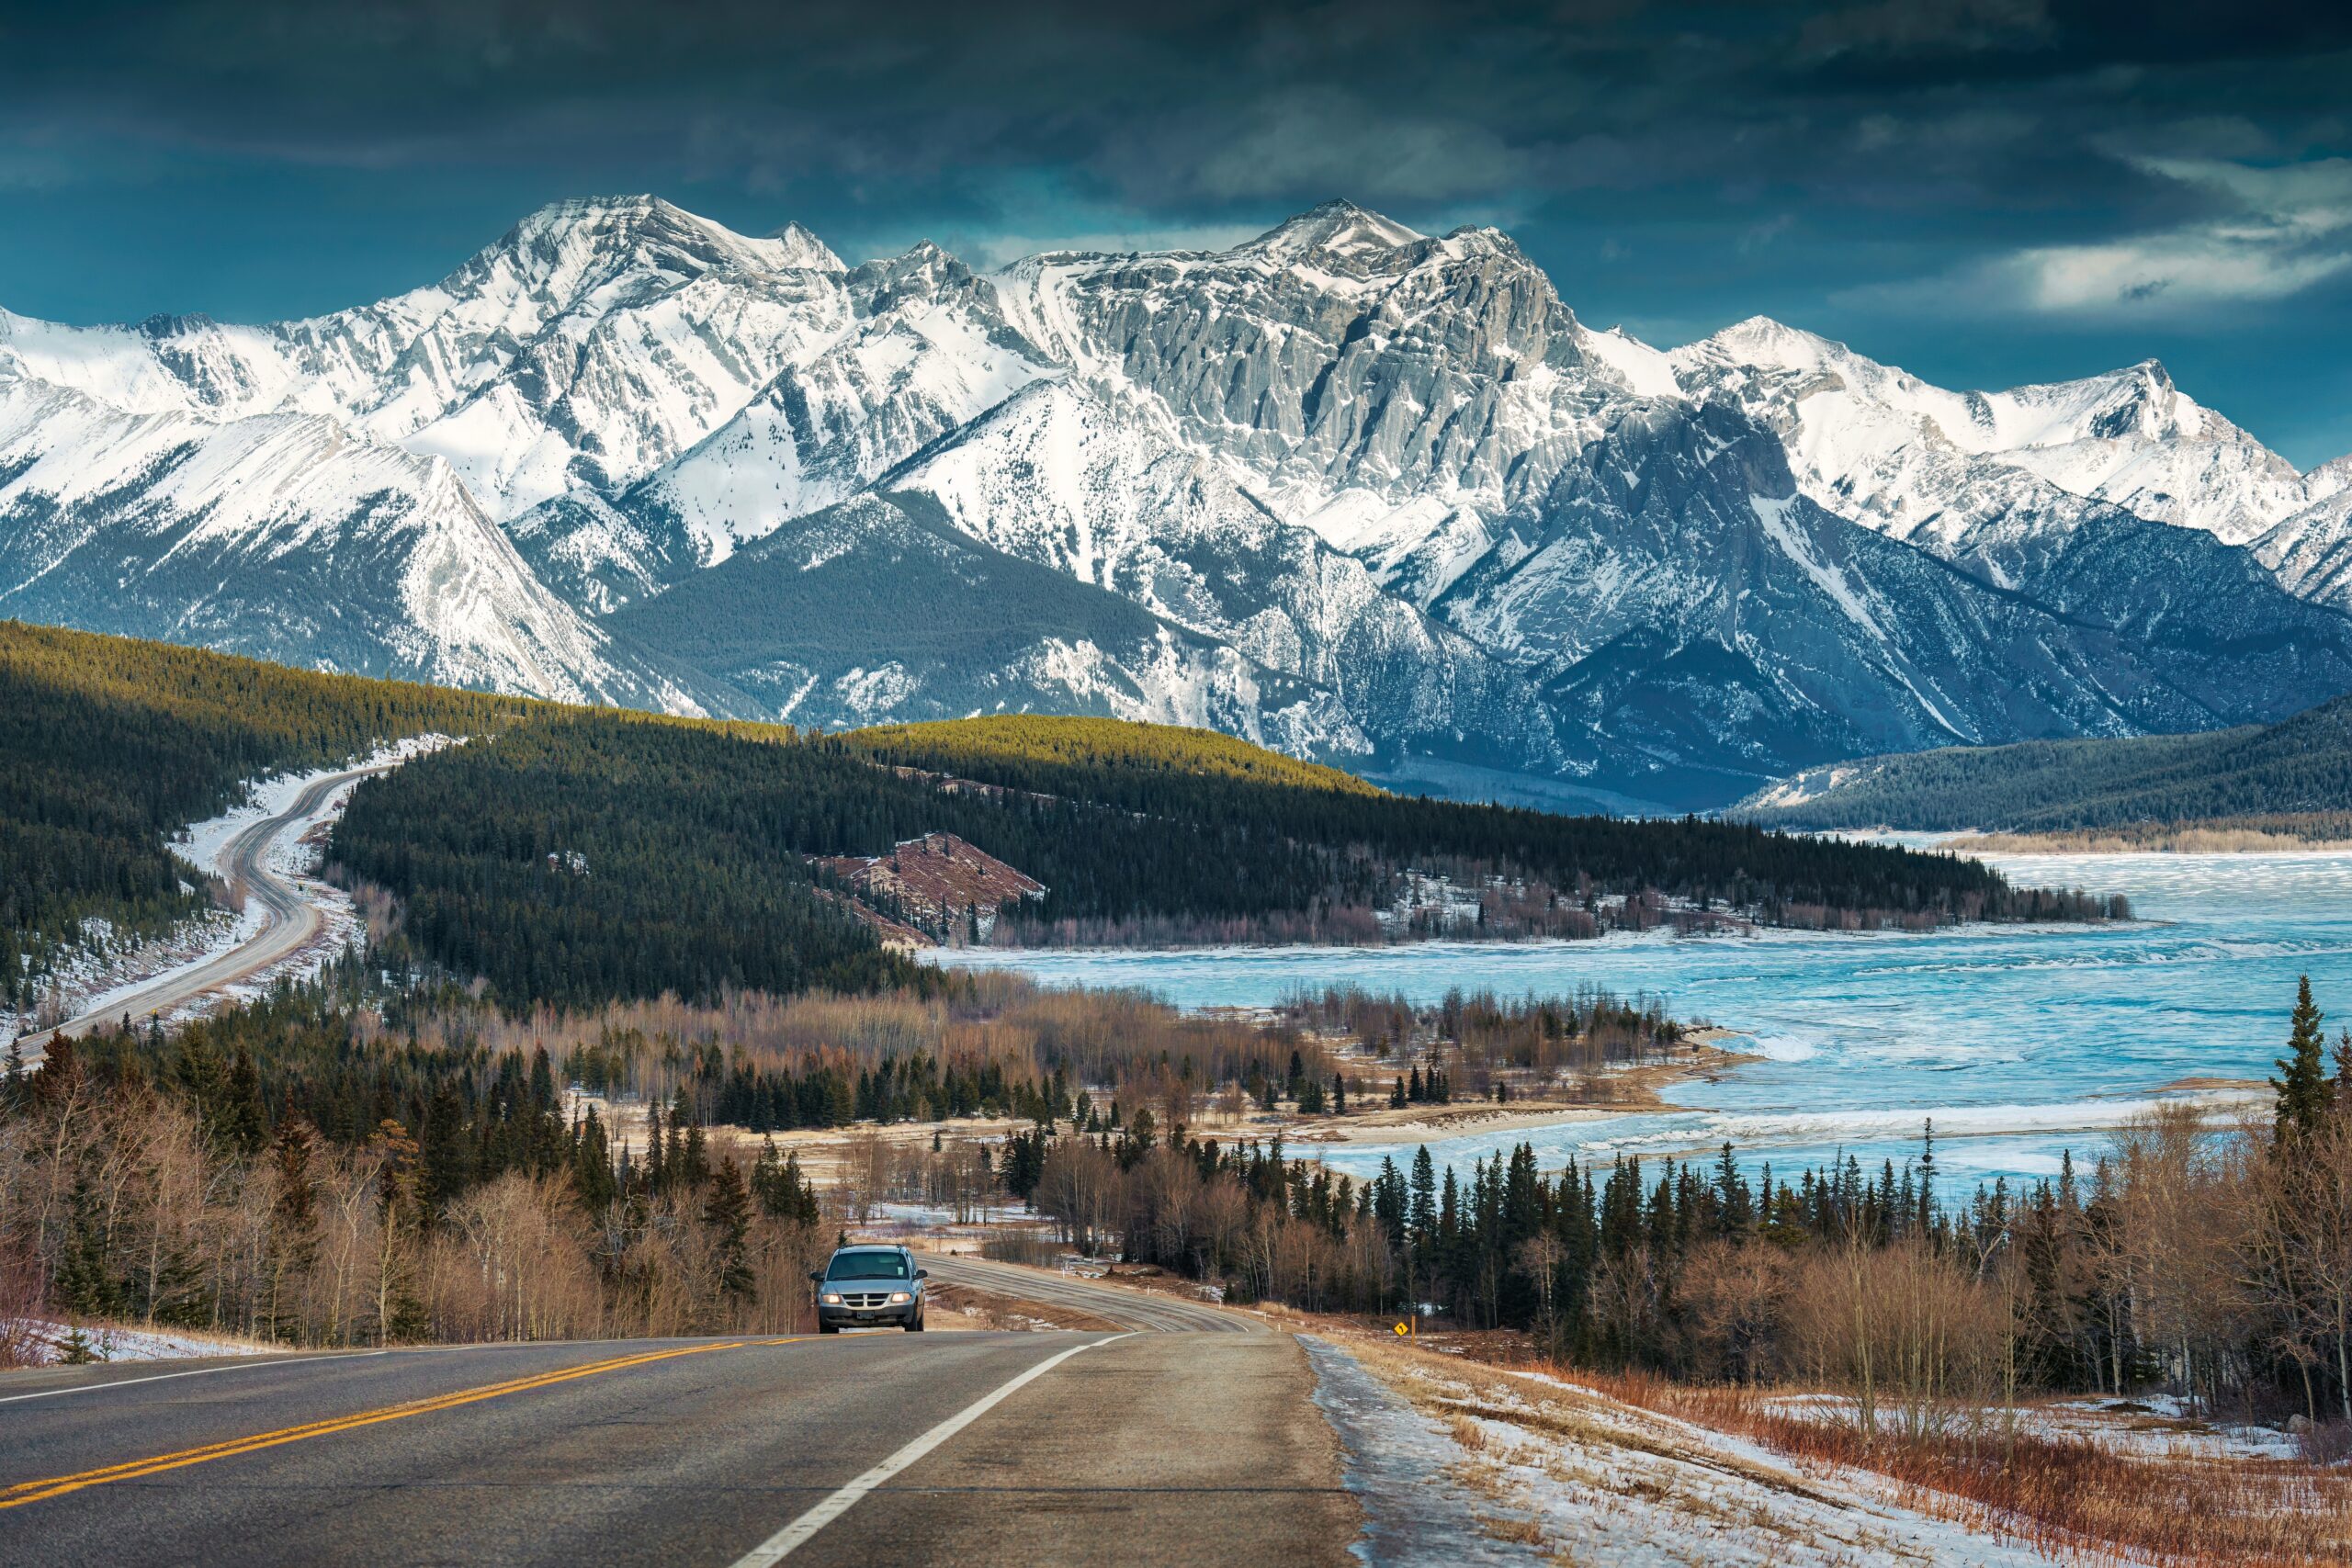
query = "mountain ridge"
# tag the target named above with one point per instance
(1376, 468)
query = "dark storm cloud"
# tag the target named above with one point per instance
(2096, 164)
(1190, 109)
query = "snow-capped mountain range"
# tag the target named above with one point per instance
(1346, 489)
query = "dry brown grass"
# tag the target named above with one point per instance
(2070, 1498)
(1014, 1311)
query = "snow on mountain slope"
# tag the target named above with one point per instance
(280, 536)
(1086, 483)
(879, 610)
(929, 351)
(1941, 466)
(591, 343)
(1680, 597)
(2310, 552)
(1337, 353)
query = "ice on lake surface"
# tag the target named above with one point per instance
(2021, 1043)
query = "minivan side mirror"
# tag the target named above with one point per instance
(923, 1273)
(816, 1276)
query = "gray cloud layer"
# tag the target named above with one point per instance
(2107, 163)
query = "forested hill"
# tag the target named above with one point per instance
(578, 854)
(110, 745)
(1171, 775)
(598, 854)
(2290, 776)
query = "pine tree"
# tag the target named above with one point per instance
(293, 1238)
(1421, 1218)
(2302, 1085)
(727, 1211)
(245, 1119)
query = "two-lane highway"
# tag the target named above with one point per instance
(860, 1449)
(288, 922)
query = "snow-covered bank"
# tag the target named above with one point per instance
(101, 975)
(54, 1343)
(1441, 1448)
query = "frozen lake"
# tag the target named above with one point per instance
(2019, 1042)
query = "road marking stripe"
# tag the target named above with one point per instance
(25, 1492)
(794, 1535)
(252, 1366)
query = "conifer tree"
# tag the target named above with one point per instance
(293, 1229)
(2302, 1085)
(727, 1209)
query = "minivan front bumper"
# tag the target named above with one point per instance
(867, 1310)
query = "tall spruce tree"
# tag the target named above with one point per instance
(2301, 1084)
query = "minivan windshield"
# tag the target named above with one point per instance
(867, 1266)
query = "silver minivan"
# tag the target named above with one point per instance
(869, 1287)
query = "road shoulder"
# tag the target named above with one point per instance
(1181, 1449)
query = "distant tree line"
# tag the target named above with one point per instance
(2255, 775)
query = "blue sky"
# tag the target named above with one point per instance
(1984, 191)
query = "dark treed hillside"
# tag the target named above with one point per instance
(2300, 767)
(604, 855)
(597, 855)
(109, 745)
(1159, 772)
(579, 855)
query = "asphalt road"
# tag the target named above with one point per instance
(1016, 1448)
(289, 921)
(1136, 1309)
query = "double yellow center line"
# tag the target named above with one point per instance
(25, 1492)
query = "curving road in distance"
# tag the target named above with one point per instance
(289, 921)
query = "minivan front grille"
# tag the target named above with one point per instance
(866, 1298)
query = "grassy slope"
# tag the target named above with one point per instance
(1021, 740)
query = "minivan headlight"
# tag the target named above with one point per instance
(832, 1298)
(898, 1298)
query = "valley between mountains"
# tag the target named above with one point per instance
(1360, 494)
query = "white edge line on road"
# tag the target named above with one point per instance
(794, 1535)
(252, 1366)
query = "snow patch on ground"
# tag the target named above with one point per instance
(1555, 1466)
(101, 1342)
(1396, 1464)
(2155, 1426)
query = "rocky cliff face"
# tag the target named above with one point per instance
(1356, 490)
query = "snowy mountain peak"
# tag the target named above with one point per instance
(1338, 229)
(594, 237)
(801, 248)
(1763, 342)
(922, 272)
